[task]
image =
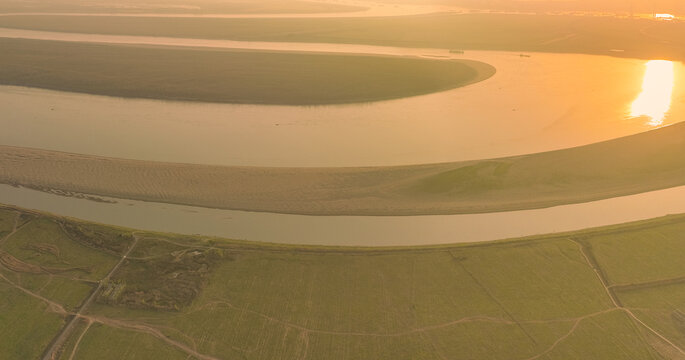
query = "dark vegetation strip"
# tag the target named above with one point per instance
(245, 77)
(649, 284)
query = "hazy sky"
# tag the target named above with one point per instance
(643, 6)
(613, 6)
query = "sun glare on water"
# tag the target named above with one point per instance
(666, 17)
(657, 90)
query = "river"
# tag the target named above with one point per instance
(538, 103)
(534, 103)
(352, 230)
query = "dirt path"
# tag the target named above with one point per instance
(569, 333)
(616, 302)
(78, 342)
(66, 331)
(191, 350)
(648, 284)
(52, 306)
(492, 297)
(16, 227)
(148, 330)
(57, 308)
(476, 318)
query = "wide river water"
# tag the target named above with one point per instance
(533, 104)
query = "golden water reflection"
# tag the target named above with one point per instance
(657, 91)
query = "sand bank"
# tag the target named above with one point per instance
(629, 165)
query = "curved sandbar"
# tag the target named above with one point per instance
(629, 165)
(241, 77)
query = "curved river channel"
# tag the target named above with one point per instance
(586, 99)
(533, 104)
(352, 230)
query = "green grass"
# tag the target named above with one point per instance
(661, 307)
(536, 297)
(72, 258)
(496, 341)
(641, 256)
(245, 77)
(123, 345)
(67, 292)
(151, 249)
(546, 265)
(6, 222)
(26, 327)
(107, 239)
(73, 340)
(608, 336)
(387, 301)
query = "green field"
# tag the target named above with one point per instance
(183, 297)
(227, 76)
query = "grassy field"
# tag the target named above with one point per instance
(546, 297)
(227, 76)
(576, 34)
(28, 325)
(123, 345)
